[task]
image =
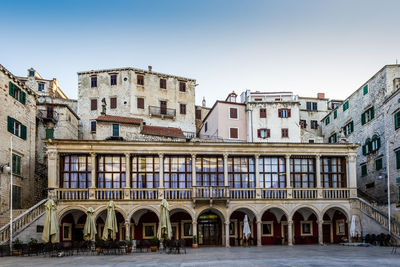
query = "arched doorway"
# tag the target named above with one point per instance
(305, 224)
(143, 223)
(71, 226)
(209, 227)
(335, 226)
(274, 227)
(236, 224)
(182, 225)
(101, 218)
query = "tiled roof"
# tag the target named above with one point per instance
(109, 118)
(163, 131)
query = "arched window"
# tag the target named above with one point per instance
(376, 143)
(367, 147)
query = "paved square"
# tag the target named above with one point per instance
(305, 255)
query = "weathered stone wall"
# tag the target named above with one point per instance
(26, 114)
(307, 133)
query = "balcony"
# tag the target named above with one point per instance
(48, 115)
(162, 112)
(202, 193)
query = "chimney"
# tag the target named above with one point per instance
(321, 95)
(203, 103)
(150, 68)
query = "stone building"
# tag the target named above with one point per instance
(17, 121)
(157, 99)
(226, 121)
(367, 117)
(210, 187)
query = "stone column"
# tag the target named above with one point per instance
(318, 175)
(227, 234)
(351, 174)
(161, 176)
(288, 183)
(226, 181)
(290, 233)
(193, 170)
(257, 185)
(259, 223)
(94, 170)
(128, 170)
(320, 233)
(52, 171)
(194, 230)
(127, 230)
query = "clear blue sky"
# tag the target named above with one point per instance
(300, 46)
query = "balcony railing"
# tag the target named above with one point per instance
(162, 112)
(49, 115)
(202, 193)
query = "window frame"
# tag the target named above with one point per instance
(263, 113)
(140, 79)
(182, 86)
(140, 160)
(113, 102)
(341, 177)
(144, 225)
(364, 169)
(113, 79)
(163, 83)
(311, 228)
(182, 109)
(140, 103)
(271, 229)
(93, 81)
(16, 164)
(121, 171)
(237, 133)
(169, 171)
(242, 171)
(86, 172)
(204, 174)
(266, 171)
(230, 113)
(115, 130)
(93, 126)
(93, 102)
(285, 132)
(301, 174)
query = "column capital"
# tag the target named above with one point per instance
(127, 154)
(258, 222)
(318, 156)
(52, 154)
(127, 222)
(193, 156)
(226, 155)
(93, 154)
(160, 155)
(351, 157)
(290, 222)
(287, 156)
(194, 223)
(257, 156)
(227, 222)
(320, 221)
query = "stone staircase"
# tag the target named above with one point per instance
(22, 219)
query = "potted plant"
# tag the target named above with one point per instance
(129, 244)
(99, 245)
(154, 244)
(194, 243)
(17, 247)
(33, 245)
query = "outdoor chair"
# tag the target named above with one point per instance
(182, 245)
(387, 240)
(4, 250)
(368, 238)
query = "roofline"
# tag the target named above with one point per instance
(215, 104)
(17, 80)
(135, 70)
(59, 104)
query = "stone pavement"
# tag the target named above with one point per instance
(304, 255)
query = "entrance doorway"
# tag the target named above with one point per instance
(326, 230)
(284, 230)
(210, 229)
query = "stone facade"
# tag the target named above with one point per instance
(24, 112)
(377, 97)
(131, 86)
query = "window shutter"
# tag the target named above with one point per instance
(93, 104)
(369, 146)
(397, 120)
(23, 97)
(378, 143)
(259, 133)
(351, 126)
(268, 133)
(280, 113)
(372, 112)
(289, 111)
(363, 119)
(23, 132)
(364, 150)
(398, 159)
(12, 89)
(10, 124)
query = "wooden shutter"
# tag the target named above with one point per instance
(140, 103)
(198, 114)
(12, 89)
(263, 113)
(182, 108)
(93, 104)
(268, 133)
(113, 102)
(351, 126)
(280, 113)
(364, 150)
(10, 124)
(259, 133)
(398, 159)
(22, 97)
(234, 132)
(233, 113)
(23, 132)
(363, 118)
(372, 112)
(397, 120)
(289, 112)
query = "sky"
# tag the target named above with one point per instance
(301, 46)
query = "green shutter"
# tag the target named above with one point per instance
(351, 127)
(398, 159)
(49, 133)
(378, 140)
(23, 132)
(365, 89)
(10, 123)
(363, 118)
(369, 147)
(372, 112)
(12, 89)
(397, 120)
(364, 151)
(364, 169)
(378, 164)
(22, 97)
(335, 114)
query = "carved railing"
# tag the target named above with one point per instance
(72, 194)
(336, 193)
(178, 193)
(305, 193)
(22, 221)
(211, 192)
(143, 194)
(273, 193)
(242, 193)
(109, 194)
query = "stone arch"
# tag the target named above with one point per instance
(246, 209)
(99, 210)
(283, 209)
(138, 208)
(183, 209)
(217, 210)
(64, 211)
(338, 207)
(314, 210)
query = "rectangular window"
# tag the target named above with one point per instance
(398, 159)
(308, 105)
(146, 170)
(365, 89)
(113, 79)
(268, 228)
(333, 172)
(93, 126)
(333, 138)
(182, 108)
(345, 105)
(163, 107)
(364, 169)
(303, 124)
(284, 113)
(306, 228)
(397, 120)
(93, 104)
(163, 83)
(16, 164)
(198, 114)
(327, 121)
(41, 86)
(349, 128)
(16, 128)
(233, 133)
(75, 171)
(378, 164)
(17, 197)
(111, 172)
(314, 124)
(263, 133)
(113, 103)
(302, 172)
(140, 79)
(140, 102)
(182, 86)
(149, 230)
(31, 73)
(263, 113)
(335, 114)
(93, 81)
(315, 106)
(178, 172)
(206, 127)
(17, 93)
(368, 115)
(115, 130)
(49, 133)
(233, 113)
(285, 132)
(272, 172)
(209, 171)
(241, 172)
